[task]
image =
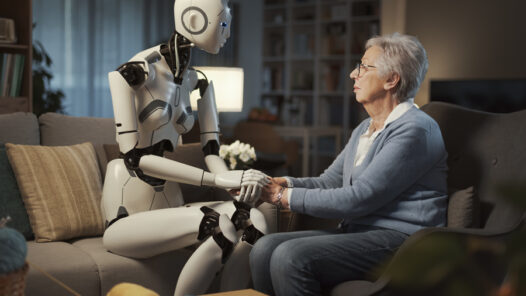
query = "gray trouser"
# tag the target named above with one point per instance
(308, 262)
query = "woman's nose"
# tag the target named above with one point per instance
(354, 74)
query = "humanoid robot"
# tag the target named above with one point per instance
(142, 202)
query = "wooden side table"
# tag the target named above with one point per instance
(246, 292)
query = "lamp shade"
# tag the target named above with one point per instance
(228, 86)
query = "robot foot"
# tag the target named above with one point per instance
(210, 226)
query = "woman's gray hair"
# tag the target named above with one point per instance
(404, 55)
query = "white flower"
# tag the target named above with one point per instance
(244, 156)
(223, 151)
(237, 153)
(245, 148)
(235, 148)
(233, 162)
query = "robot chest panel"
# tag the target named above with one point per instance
(161, 102)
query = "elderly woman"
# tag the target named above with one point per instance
(387, 183)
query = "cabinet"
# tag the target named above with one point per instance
(309, 49)
(21, 13)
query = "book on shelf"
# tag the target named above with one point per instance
(12, 70)
(272, 79)
(7, 30)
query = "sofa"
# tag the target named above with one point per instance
(81, 263)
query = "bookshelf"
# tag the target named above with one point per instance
(21, 13)
(309, 49)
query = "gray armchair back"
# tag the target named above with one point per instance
(485, 150)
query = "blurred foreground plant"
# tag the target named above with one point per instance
(449, 263)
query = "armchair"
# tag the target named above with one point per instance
(484, 150)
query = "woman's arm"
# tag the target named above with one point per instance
(404, 158)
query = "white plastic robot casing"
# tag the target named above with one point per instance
(141, 199)
(198, 21)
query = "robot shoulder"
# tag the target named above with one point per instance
(137, 70)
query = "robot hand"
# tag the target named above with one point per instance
(251, 184)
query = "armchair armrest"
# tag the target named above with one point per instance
(399, 258)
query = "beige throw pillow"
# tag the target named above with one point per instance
(61, 187)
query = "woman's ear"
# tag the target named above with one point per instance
(392, 80)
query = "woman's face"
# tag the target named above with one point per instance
(369, 86)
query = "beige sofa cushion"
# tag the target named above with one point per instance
(61, 130)
(158, 273)
(61, 188)
(66, 263)
(19, 128)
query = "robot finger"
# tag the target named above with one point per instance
(242, 193)
(250, 191)
(257, 174)
(257, 180)
(264, 182)
(242, 197)
(256, 193)
(251, 177)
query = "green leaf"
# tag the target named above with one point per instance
(429, 260)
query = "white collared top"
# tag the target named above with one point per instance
(367, 138)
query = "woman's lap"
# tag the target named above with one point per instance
(309, 260)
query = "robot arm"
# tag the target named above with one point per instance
(253, 180)
(122, 83)
(124, 111)
(163, 168)
(209, 124)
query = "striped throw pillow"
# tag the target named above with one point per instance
(61, 187)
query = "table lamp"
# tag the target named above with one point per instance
(228, 86)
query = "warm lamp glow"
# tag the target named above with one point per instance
(228, 86)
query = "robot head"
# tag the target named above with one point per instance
(206, 23)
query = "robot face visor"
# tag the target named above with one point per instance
(208, 26)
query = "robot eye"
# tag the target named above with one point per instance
(223, 24)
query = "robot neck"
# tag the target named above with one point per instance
(177, 53)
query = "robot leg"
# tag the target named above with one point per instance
(220, 237)
(236, 273)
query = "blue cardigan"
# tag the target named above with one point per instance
(401, 183)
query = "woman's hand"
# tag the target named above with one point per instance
(281, 181)
(271, 192)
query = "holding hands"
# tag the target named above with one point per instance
(256, 185)
(251, 184)
(276, 192)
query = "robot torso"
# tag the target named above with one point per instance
(162, 107)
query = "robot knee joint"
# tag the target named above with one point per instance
(241, 220)
(210, 227)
